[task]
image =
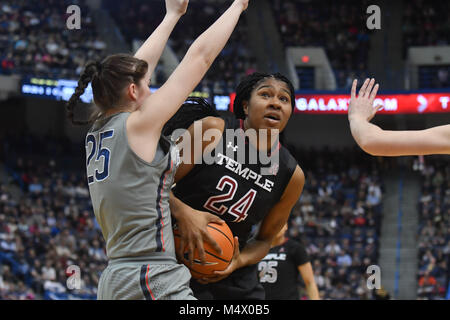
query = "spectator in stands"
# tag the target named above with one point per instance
(344, 259)
(427, 286)
(37, 40)
(442, 77)
(333, 247)
(374, 195)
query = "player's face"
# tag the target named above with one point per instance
(269, 106)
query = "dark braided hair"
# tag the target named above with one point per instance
(248, 84)
(109, 79)
(193, 109)
(86, 76)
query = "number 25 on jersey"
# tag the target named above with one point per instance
(101, 154)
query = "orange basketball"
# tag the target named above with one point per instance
(214, 261)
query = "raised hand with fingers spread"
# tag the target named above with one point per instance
(362, 105)
(378, 142)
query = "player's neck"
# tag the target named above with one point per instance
(119, 109)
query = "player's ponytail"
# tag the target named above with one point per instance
(91, 69)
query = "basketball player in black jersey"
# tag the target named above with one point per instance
(241, 191)
(279, 270)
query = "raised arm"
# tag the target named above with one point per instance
(378, 142)
(153, 47)
(159, 107)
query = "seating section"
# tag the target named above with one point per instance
(434, 230)
(426, 23)
(35, 41)
(337, 26)
(339, 217)
(142, 17)
(51, 227)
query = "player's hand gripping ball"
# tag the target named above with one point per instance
(214, 261)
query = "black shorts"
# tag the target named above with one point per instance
(242, 284)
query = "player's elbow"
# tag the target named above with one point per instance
(370, 144)
(200, 56)
(213, 123)
(368, 137)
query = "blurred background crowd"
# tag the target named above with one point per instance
(46, 219)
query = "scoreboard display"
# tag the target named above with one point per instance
(316, 103)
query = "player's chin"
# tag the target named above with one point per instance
(271, 123)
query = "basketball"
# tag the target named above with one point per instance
(213, 260)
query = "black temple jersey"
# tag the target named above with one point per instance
(236, 185)
(278, 271)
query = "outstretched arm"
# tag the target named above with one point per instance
(159, 107)
(378, 142)
(153, 47)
